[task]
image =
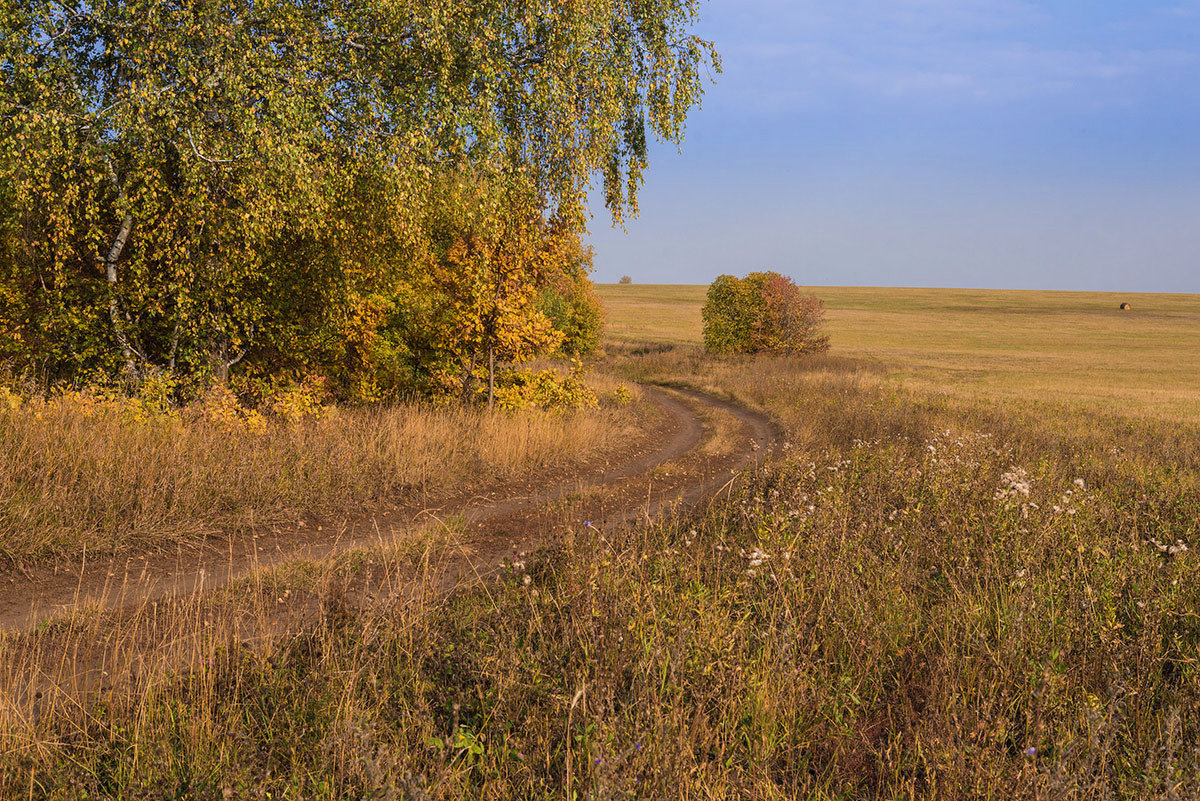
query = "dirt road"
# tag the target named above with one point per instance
(702, 441)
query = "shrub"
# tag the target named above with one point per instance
(762, 313)
(625, 279)
(575, 312)
(548, 390)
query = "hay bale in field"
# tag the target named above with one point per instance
(1126, 307)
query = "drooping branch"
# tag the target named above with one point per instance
(201, 156)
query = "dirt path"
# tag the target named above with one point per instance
(677, 467)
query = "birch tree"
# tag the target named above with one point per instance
(178, 175)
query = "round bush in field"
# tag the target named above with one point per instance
(762, 313)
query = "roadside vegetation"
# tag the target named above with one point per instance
(912, 598)
(101, 473)
(259, 262)
(364, 194)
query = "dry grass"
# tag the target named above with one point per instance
(923, 594)
(917, 598)
(81, 471)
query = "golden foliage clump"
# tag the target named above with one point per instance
(545, 389)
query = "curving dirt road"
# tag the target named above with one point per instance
(681, 466)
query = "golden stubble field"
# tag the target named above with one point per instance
(1073, 348)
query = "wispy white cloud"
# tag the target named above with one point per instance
(938, 50)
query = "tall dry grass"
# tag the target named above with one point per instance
(84, 471)
(913, 599)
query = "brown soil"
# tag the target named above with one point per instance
(668, 467)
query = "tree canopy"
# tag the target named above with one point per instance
(189, 186)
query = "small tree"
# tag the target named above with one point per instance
(762, 313)
(487, 281)
(727, 314)
(625, 279)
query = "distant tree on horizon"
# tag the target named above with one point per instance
(625, 279)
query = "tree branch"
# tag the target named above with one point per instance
(204, 158)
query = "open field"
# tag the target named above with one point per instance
(1074, 348)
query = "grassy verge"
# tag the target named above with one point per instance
(80, 471)
(915, 598)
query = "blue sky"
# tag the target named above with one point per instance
(968, 143)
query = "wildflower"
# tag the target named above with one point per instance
(758, 557)
(1031, 751)
(527, 580)
(1013, 483)
(1168, 549)
(1080, 483)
